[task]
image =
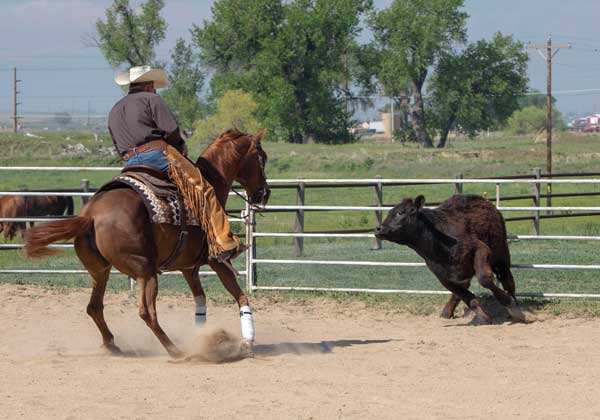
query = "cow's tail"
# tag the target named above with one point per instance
(38, 238)
(69, 206)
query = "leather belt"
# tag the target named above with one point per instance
(159, 145)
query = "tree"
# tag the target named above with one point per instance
(292, 56)
(410, 36)
(130, 37)
(63, 118)
(535, 98)
(532, 119)
(187, 79)
(479, 87)
(235, 109)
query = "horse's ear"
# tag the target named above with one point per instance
(419, 201)
(260, 135)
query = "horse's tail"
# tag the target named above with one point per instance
(69, 206)
(38, 238)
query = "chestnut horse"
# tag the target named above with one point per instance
(114, 230)
(31, 206)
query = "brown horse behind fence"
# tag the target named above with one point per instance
(114, 230)
(30, 206)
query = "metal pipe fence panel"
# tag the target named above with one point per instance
(248, 216)
(373, 182)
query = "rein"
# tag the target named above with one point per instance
(261, 164)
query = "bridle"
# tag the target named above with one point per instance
(261, 164)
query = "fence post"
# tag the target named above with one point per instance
(379, 203)
(458, 187)
(132, 284)
(299, 225)
(537, 173)
(85, 187)
(250, 218)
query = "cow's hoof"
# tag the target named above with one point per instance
(446, 314)
(481, 318)
(515, 311)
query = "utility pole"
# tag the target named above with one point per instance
(346, 85)
(88, 115)
(549, 55)
(16, 117)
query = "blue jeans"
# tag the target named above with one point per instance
(153, 158)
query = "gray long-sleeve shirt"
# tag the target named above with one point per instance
(141, 117)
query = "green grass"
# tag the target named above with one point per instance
(484, 157)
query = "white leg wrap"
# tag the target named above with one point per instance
(247, 323)
(200, 314)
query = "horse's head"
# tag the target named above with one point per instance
(251, 174)
(236, 156)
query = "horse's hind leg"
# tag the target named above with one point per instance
(99, 269)
(148, 291)
(95, 309)
(193, 280)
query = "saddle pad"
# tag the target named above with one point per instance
(160, 197)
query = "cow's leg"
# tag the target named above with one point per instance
(148, 290)
(485, 275)
(469, 298)
(228, 279)
(505, 277)
(193, 280)
(450, 307)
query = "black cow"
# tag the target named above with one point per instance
(463, 237)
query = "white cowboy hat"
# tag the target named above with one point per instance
(143, 74)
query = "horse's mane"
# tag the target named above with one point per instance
(228, 149)
(228, 135)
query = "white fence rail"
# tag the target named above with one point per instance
(299, 209)
(26, 193)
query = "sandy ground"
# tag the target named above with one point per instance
(318, 361)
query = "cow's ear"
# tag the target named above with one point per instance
(419, 201)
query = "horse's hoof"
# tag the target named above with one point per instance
(247, 349)
(113, 349)
(176, 353)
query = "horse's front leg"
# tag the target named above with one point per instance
(193, 280)
(228, 279)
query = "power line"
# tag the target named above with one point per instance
(60, 69)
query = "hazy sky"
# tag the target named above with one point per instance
(44, 38)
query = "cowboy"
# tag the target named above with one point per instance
(144, 132)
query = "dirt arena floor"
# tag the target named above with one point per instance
(321, 361)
